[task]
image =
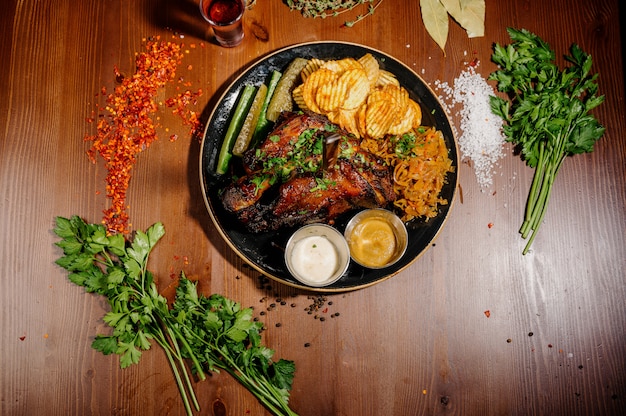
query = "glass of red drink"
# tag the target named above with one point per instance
(225, 18)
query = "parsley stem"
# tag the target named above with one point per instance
(539, 206)
(534, 189)
(538, 216)
(181, 388)
(262, 390)
(192, 356)
(173, 340)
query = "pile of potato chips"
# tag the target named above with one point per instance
(358, 96)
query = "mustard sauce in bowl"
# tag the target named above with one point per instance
(377, 238)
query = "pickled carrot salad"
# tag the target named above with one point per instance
(420, 164)
(127, 125)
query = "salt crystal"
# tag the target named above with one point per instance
(482, 139)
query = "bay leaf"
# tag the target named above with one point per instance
(453, 7)
(435, 18)
(470, 14)
(473, 20)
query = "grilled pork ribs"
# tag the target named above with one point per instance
(307, 170)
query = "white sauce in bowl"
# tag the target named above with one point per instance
(314, 258)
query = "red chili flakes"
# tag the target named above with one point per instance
(490, 225)
(487, 313)
(127, 127)
(180, 104)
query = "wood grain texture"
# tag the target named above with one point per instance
(419, 343)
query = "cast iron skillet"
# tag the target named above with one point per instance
(264, 252)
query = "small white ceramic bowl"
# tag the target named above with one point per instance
(317, 255)
(377, 238)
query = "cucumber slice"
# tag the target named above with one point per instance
(245, 101)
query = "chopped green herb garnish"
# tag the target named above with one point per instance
(323, 184)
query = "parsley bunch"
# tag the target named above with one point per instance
(213, 333)
(547, 113)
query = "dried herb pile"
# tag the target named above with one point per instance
(333, 8)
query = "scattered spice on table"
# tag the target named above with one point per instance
(319, 306)
(126, 125)
(180, 106)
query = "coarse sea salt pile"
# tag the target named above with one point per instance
(481, 139)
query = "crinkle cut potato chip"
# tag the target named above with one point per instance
(329, 96)
(360, 120)
(371, 67)
(400, 98)
(298, 98)
(400, 95)
(386, 77)
(411, 119)
(347, 119)
(314, 81)
(380, 113)
(404, 122)
(417, 117)
(358, 87)
(341, 65)
(358, 96)
(313, 65)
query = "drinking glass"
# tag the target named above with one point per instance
(225, 17)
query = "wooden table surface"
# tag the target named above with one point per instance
(419, 343)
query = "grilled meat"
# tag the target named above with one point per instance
(296, 138)
(291, 185)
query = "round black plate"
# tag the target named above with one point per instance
(264, 251)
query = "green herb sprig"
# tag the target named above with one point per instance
(547, 113)
(213, 333)
(333, 8)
